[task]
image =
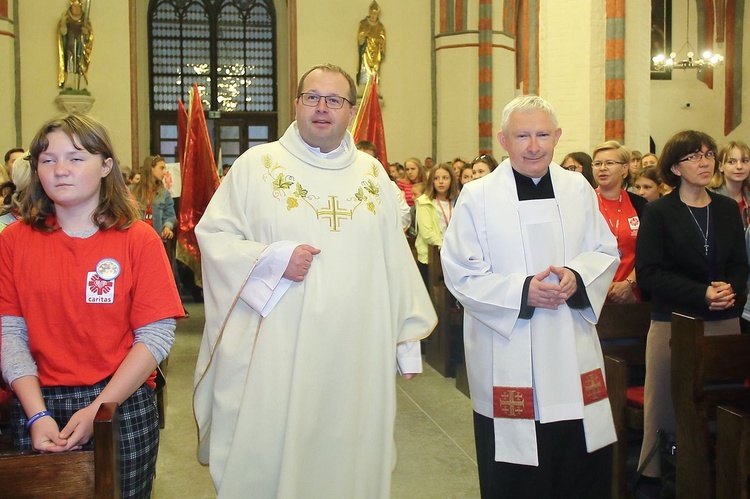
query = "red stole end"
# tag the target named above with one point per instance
(513, 402)
(593, 386)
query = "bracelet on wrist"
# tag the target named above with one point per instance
(39, 415)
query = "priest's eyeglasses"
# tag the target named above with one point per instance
(332, 101)
(610, 163)
(697, 156)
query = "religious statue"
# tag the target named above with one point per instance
(371, 40)
(75, 39)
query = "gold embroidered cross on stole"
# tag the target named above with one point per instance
(593, 386)
(513, 402)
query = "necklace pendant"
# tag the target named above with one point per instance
(705, 246)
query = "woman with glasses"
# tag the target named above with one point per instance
(580, 162)
(622, 211)
(415, 174)
(482, 165)
(731, 176)
(690, 256)
(434, 212)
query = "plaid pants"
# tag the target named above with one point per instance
(139, 430)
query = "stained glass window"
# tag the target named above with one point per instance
(227, 47)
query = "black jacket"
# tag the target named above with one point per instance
(670, 259)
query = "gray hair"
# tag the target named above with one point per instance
(21, 177)
(526, 104)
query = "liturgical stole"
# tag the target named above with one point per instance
(555, 373)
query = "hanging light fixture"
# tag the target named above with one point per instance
(689, 61)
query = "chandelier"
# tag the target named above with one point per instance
(689, 61)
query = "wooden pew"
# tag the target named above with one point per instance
(438, 352)
(732, 453)
(706, 371)
(76, 474)
(622, 330)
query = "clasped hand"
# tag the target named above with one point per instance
(47, 437)
(621, 292)
(551, 295)
(719, 296)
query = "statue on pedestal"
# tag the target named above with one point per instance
(75, 39)
(371, 41)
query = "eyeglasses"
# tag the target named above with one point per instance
(734, 161)
(572, 168)
(697, 156)
(609, 163)
(332, 101)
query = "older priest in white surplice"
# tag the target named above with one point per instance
(530, 258)
(312, 302)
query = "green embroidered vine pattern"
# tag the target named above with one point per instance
(283, 185)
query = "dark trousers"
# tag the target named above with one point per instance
(423, 272)
(565, 469)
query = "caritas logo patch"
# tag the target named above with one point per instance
(98, 290)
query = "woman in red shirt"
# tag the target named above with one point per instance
(621, 210)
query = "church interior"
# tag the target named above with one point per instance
(449, 68)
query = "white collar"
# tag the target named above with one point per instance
(336, 153)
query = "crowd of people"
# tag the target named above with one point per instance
(532, 251)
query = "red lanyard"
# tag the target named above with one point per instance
(614, 227)
(450, 209)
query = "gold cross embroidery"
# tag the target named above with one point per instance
(333, 213)
(512, 403)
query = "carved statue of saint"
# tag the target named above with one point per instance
(75, 39)
(371, 40)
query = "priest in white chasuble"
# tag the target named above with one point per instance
(530, 257)
(313, 302)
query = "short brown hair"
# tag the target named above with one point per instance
(335, 69)
(677, 147)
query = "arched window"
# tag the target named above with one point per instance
(227, 47)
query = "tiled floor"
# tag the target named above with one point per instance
(434, 434)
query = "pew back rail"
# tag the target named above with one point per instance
(76, 474)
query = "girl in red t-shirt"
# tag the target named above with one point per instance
(88, 304)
